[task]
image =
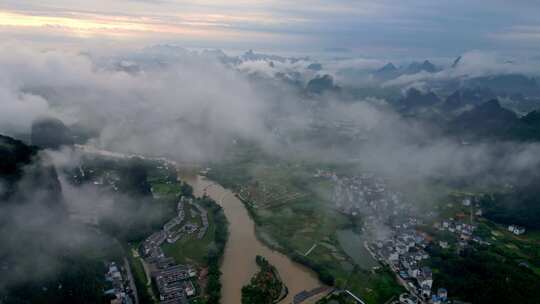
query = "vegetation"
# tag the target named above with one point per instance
(341, 298)
(484, 275)
(37, 267)
(15, 157)
(221, 234)
(50, 133)
(519, 207)
(139, 276)
(79, 280)
(294, 226)
(265, 287)
(206, 252)
(190, 249)
(78, 275)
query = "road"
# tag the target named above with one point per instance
(310, 249)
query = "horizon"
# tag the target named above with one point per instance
(418, 29)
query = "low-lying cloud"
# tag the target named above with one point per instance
(191, 107)
(179, 109)
(188, 105)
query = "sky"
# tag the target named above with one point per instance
(382, 28)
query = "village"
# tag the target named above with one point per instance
(174, 282)
(366, 195)
(122, 289)
(403, 244)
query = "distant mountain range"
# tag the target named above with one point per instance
(450, 93)
(490, 120)
(461, 99)
(472, 114)
(390, 71)
(322, 84)
(507, 84)
(486, 119)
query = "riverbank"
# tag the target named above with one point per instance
(238, 265)
(292, 210)
(266, 287)
(295, 256)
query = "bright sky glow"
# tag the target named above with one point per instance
(410, 28)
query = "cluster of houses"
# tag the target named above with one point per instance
(173, 281)
(151, 246)
(172, 234)
(364, 194)
(404, 253)
(403, 248)
(463, 231)
(173, 229)
(437, 298)
(120, 292)
(204, 219)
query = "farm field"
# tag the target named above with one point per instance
(294, 214)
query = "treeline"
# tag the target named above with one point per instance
(481, 275)
(215, 254)
(322, 270)
(265, 287)
(521, 207)
(78, 280)
(138, 276)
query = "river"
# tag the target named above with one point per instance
(243, 246)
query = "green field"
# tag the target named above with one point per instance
(145, 292)
(189, 249)
(293, 212)
(294, 225)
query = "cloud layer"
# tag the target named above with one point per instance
(186, 106)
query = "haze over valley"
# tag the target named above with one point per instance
(349, 152)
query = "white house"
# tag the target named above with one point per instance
(517, 230)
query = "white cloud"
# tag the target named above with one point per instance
(173, 105)
(472, 64)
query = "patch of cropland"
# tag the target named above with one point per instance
(461, 258)
(352, 228)
(293, 214)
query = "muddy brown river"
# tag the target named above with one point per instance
(243, 246)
